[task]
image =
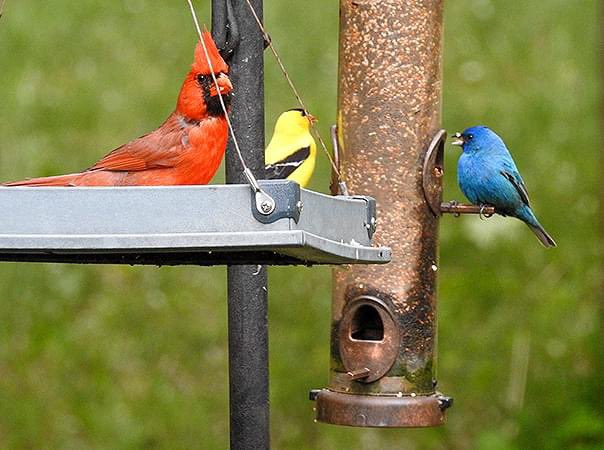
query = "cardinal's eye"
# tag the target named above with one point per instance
(202, 79)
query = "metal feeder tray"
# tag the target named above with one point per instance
(198, 225)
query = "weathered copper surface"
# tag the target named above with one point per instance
(379, 410)
(364, 349)
(388, 113)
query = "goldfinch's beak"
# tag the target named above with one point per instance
(311, 118)
(459, 139)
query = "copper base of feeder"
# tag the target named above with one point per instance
(379, 410)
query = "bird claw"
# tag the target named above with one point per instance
(482, 214)
(453, 204)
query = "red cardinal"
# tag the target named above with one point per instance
(186, 149)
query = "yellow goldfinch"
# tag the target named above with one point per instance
(292, 151)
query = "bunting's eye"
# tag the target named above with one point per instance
(470, 137)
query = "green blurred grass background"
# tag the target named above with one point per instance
(136, 357)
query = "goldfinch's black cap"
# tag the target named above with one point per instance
(300, 110)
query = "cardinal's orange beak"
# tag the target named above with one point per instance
(224, 84)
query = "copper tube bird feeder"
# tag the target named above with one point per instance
(383, 339)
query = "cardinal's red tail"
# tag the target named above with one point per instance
(60, 180)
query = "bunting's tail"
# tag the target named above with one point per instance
(527, 216)
(542, 235)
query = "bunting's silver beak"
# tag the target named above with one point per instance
(459, 139)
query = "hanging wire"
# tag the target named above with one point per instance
(314, 129)
(246, 171)
(222, 104)
(1, 8)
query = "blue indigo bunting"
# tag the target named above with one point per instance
(487, 175)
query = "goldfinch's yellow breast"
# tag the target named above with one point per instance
(291, 152)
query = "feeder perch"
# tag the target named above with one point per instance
(432, 175)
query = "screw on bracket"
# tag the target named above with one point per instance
(266, 207)
(264, 203)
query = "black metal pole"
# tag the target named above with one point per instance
(247, 285)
